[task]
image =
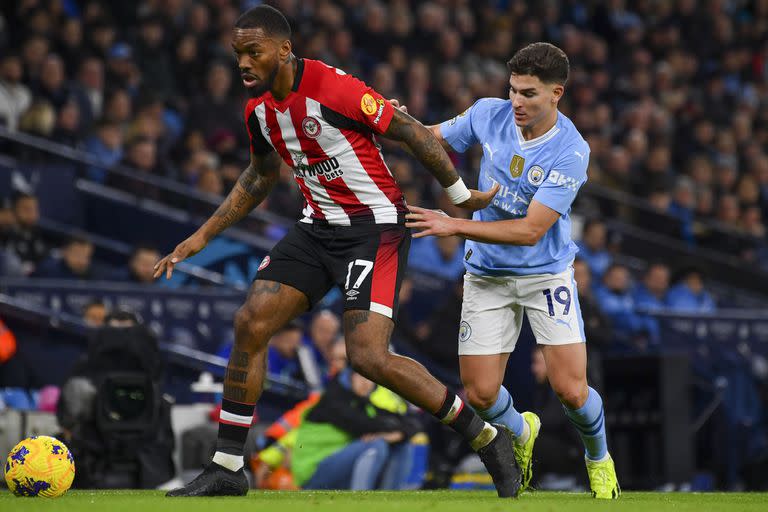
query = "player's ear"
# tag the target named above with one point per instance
(557, 92)
(285, 50)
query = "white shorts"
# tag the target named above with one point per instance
(493, 307)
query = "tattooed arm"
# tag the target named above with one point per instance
(422, 144)
(251, 188)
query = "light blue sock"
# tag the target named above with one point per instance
(503, 412)
(589, 421)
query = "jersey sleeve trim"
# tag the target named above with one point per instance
(299, 74)
(259, 145)
(343, 122)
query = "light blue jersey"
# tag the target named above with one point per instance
(550, 169)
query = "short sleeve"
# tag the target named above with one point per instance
(568, 174)
(259, 145)
(458, 132)
(355, 100)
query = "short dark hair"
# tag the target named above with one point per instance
(267, 18)
(21, 196)
(142, 247)
(78, 239)
(545, 61)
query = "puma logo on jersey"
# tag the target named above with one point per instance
(579, 155)
(490, 151)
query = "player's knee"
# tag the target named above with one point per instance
(572, 397)
(249, 325)
(480, 396)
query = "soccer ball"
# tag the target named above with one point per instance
(40, 466)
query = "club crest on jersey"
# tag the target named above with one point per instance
(535, 175)
(516, 166)
(465, 331)
(265, 262)
(368, 104)
(453, 121)
(311, 127)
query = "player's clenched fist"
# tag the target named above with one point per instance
(189, 247)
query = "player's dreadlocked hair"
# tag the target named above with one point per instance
(543, 60)
(268, 18)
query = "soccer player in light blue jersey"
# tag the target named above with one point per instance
(519, 255)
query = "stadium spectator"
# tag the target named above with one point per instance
(74, 262)
(442, 257)
(651, 294)
(140, 265)
(593, 247)
(597, 328)
(106, 145)
(689, 295)
(141, 155)
(15, 97)
(324, 330)
(95, 314)
(216, 109)
(24, 238)
(616, 302)
(282, 358)
(354, 438)
(152, 55)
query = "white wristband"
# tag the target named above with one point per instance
(458, 192)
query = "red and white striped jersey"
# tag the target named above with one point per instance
(324, 130)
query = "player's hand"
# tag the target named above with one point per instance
(479, 200)
(430, 222)
(189, 247)
(395, 103)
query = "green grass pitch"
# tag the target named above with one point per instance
(411, 501)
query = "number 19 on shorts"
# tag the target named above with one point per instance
(561, 295)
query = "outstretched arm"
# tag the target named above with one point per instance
(527, 230)
(251, 188)
(427, 149)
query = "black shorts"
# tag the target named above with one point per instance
(367, 262)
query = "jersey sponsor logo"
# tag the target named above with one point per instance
(329, 168)
(535, 175)
(564, 181)
(507, 193)
(311, 127)
(368, 104)
(465, 331)
(379, 112)
(516, 166)
(265, 262)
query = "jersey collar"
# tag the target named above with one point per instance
(299, 74)
(541, 139)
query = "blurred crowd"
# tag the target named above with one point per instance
(670, 95)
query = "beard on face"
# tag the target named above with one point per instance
(258, 90)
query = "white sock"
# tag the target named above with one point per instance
(523, 438)
(231, 462)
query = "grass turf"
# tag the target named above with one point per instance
(416, 501)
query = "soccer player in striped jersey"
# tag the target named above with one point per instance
(322, 123)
